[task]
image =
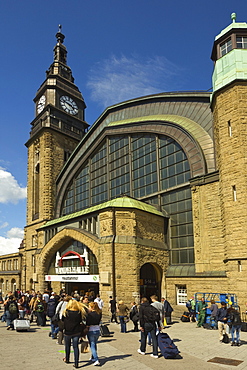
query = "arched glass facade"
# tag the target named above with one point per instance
(152, 168)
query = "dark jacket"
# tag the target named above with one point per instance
(93, 318)
(234, 317)
(134, 315)
(167, 308)
(143, 312)
(222, 315)
(51, 307)
(72, 321)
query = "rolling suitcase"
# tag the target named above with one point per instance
(104, 331)
(167, 347)
(21, 325)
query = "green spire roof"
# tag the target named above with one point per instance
(233, 25)
(121, 202)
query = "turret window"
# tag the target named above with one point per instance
(241, 42)
(225, 47)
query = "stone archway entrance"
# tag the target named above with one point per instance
(150, 280)
(73, 267)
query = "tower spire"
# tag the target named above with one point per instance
(59, 65)
(60, 37)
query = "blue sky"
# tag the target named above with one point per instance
(117, 49)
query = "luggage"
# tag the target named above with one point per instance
(21, 325)
(244, 323)
(207, 325)
(84, 346)
(225, 339)
(185, 317)
(244, 326)
(166, 345)
(104, 331)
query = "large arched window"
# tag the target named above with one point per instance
(150, 167)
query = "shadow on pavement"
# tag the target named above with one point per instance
(104, 360)
(107, 340)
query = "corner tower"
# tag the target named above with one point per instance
(229, 106)
(57, 128)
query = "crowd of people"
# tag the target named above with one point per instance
(73, 318)
(226, 318)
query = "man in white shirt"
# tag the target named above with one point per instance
(99, 301)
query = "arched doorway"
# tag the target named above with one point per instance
(150, 280)
(73, 268)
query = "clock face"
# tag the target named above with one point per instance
(41, 104)
(68, 105)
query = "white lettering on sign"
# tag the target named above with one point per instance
(71, 270)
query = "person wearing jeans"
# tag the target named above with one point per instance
(92, 322)
(235, 324)
(122, 314)
(75, 343)
(148, 325)
(72, 318)
(222, 318)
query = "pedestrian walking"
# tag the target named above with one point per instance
(123, 315)
(149, 320)
(72, 317)
(134, 315)
(92, 322)
(113, 309)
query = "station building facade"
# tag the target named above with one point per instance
(150, 199)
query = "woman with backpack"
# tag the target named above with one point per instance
(11, 312)
(40, 310)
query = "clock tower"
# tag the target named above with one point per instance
(57, 128)
(229, 106)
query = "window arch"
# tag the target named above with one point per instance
(150, 167)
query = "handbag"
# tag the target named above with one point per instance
(84, 346)
(84, 330)
(55, 318)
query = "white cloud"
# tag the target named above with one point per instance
(5, 224)
(118, 79)
(10, 190)
(15, 232)
(12, 242)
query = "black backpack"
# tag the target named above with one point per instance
(51, 308)
(151, 314)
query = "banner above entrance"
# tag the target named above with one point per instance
(72, 278)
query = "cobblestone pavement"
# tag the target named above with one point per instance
(35, 349)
